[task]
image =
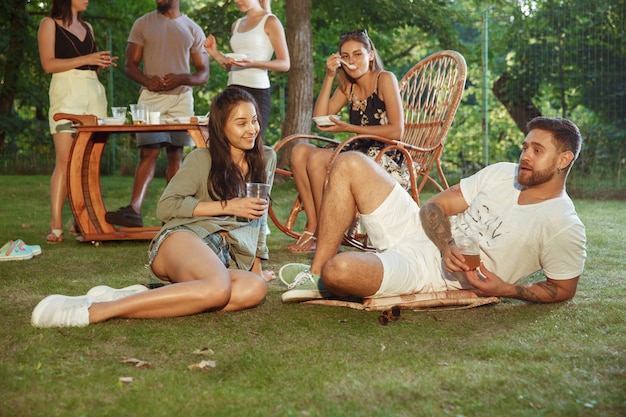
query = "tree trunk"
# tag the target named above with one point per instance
(521, 109)
(301, 75)
(13, 55)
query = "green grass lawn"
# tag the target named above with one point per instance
(509, 359)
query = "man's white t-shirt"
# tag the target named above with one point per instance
(518, 240)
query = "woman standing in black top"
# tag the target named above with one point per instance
(67, 50)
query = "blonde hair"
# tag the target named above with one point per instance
(266, 5)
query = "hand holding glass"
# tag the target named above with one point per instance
(469, 247)
(257, 190)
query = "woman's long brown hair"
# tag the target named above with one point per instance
(226, 181)
(62, 10)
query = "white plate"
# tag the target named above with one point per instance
(187, 120)
(237, 57)
(325, 120)
(112, 121)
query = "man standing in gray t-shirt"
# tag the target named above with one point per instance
(166, 41)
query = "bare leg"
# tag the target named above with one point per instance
(310, 167)
(58, 181)
(200, 282)
(174, 161)
(299, 157)
(355, 182)
(317, 170)
(144, 174)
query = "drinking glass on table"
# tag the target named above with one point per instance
(118, 112)
(138, 113)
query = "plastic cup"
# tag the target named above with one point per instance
(138, 114)
(155, 117)
(469, 246)
(257, 190)
(118, 112)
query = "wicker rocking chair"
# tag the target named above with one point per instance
(431, 92)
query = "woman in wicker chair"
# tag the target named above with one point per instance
(375, 108)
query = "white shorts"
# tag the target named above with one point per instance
(170, 106)
(411, 261)
(75, 92)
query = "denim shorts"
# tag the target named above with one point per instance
(215, 241)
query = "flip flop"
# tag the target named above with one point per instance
(55, 236)
(12, 251)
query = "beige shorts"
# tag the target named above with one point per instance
(411, 261)
(75, 92)
(170, 106)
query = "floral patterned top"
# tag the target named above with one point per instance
(368, 112)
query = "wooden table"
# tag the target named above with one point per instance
(83, 175)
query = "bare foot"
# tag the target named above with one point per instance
(269, 276)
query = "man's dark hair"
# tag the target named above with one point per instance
(564, 131)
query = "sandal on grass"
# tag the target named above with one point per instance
(306, 243)
(15, 251)
(55, 236)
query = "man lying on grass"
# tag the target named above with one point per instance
(525, 220)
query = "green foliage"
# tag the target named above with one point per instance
(566, 60)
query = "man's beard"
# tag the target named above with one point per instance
(162, 8)
(535, 178)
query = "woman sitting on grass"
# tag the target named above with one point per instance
(211, 245)
(375, 108)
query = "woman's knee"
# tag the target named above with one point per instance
(215, 293)
(249, 290)
(320, 157)
(258, 292)
(300, 154)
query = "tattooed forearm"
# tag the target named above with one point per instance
(526, 293)
(436, 225)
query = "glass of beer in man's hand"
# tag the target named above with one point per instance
(469, 247)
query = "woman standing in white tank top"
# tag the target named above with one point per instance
(257, 36)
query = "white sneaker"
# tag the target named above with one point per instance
(62, 311)
(104, 293)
